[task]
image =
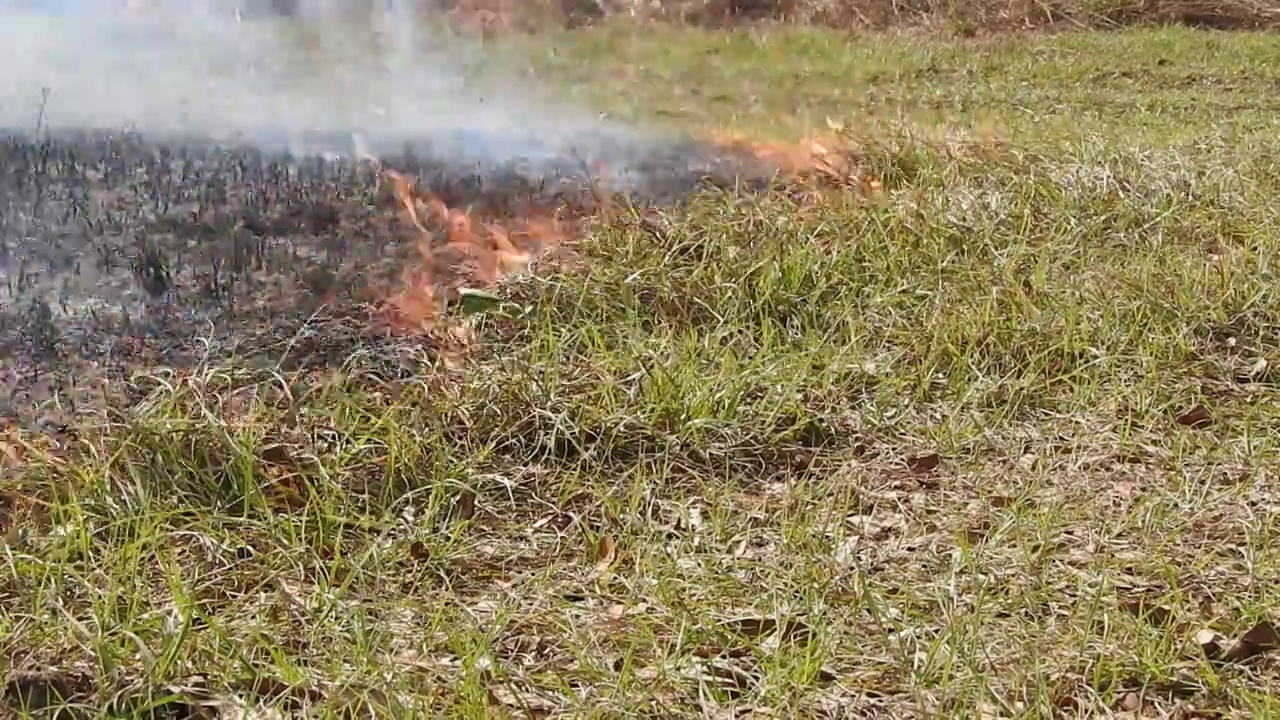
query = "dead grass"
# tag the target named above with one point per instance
(995, 438)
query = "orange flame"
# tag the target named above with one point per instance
(817, 157)
(460, 251)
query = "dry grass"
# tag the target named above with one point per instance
(996, 439)
(965, 17)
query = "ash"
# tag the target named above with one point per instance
(120, 253)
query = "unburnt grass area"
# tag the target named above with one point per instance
(993, 440)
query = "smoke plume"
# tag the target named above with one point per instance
(231, 69)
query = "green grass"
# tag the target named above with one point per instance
(1154, 86)
(700, 478)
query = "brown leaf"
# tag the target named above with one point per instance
(606, 553)
(751, 627)
(1259, 639)
(924, 464)
(790, 629)
(1196, 418)
(464, 507)
(1157, 615)
(419, 550)
(277, 455)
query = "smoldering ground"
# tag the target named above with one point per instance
(184, 186)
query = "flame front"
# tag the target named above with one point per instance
(460, 251)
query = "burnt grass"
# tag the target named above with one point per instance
(119, 252)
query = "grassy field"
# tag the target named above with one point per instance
(998, 441)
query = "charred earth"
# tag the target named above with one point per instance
(119, 252)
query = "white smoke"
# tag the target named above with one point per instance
(206, 67)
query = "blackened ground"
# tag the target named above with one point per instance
(119, 253)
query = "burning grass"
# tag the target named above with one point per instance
(460, 251)
(182, 251)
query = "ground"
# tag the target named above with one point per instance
(996, 439)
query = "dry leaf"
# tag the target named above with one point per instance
(419, 550)
(1259, 639)
(755, 627)
(606, 553)
(277, 455)
(1157, 615)
(924, 464)
(464, 508)
(1196, 418)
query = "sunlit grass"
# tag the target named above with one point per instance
(931, 452)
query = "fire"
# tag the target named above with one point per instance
(825, 159)
(790, 158)
(459, 250)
